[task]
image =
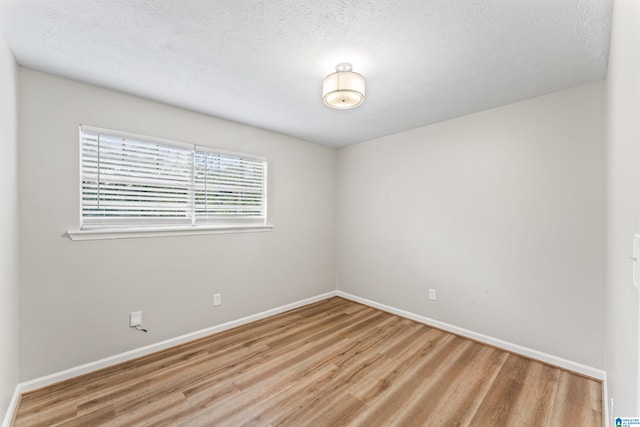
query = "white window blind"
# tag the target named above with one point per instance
(135, 181)
(228, 188)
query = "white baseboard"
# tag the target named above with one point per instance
(143, 351)
(13, 407)
(569, 365)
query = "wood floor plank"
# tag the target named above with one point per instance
(500, 401)
(412, 353)
(535, 402)
(310, 352)
(331, 363)
(575, 401)
(280, 410)
(433, 396)
(399, 390)
(460, 400)
(356, 337)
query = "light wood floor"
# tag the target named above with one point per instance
(327, 364)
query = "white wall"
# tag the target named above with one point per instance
(75, 297)
(501, 211)
(623, 207)
(8, 228)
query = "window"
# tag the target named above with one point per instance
(137, 182)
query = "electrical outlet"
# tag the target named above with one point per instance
(432, 294)
(217, 299)
(135, 318)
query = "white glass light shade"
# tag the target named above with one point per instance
(343, 89)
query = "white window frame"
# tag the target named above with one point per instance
(155, 229)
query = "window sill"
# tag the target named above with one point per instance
(132, 233)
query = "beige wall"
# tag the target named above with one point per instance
(502, 212)
(8, 228)
(623, 207)
(75, 297)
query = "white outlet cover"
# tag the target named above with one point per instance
(135, 318)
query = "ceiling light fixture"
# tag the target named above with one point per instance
(344, 88)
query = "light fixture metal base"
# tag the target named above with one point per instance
(344, 67)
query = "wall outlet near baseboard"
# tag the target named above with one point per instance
(432, 294)
(217, 299)
(135, 318)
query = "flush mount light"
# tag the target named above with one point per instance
(344, 88)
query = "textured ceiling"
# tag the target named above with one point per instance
(261, 62)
